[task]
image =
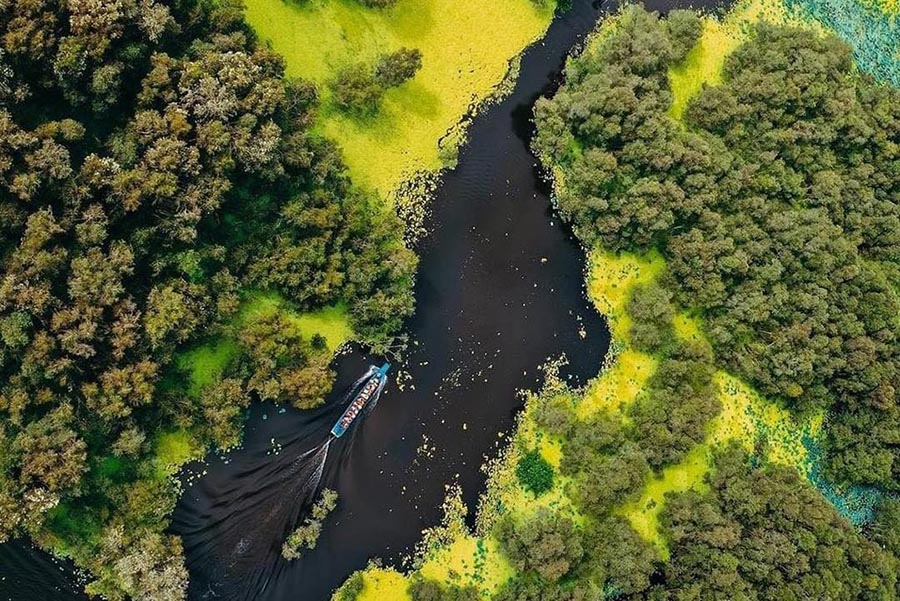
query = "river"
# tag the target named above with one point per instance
(500, 290)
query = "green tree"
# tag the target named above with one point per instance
(545, 542)
(398, 67)
(534, 473)
(356, 89)
(651, 312)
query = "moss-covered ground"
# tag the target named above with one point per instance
(173, 449)
(467, 50)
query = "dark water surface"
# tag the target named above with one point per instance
(500, 290)
(29, 574)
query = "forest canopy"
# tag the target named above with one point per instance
(155, 165)
(774, 202)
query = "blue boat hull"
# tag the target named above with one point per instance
(371, 386)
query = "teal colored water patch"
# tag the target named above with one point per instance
(855, 502)
(873, 34)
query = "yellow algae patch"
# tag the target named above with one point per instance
(735, 421)
(529, 435)
(619, 384)
(750, 418)
(687, 328)
(510, 496)
(331, 322)
(551, 450)
(517, 501)
(383, 585)
(505, 495)
(466, 50)
(469, 561)
(611, 277)
(688, 474)
(173, 449)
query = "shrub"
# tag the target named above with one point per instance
(554, 414)
(307, 535)
(398, 67)
(351, 589)
(318, 342)
(378, 3)
(534, 473)
(356, 90)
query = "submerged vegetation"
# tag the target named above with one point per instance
(306, 535)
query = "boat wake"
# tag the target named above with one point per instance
(235, 543)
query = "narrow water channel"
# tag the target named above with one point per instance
(500, 290)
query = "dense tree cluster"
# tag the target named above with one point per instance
(546, 543)
(359, 87)
(754, 531)
(281, 365)
(763, 533)
(531, 588)
(774, 202)
(422, 589)
(606, 475)
(154, 163)
(651, 311)
(680, 400)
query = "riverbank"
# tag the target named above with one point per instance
(500, 289)
(470, 54)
